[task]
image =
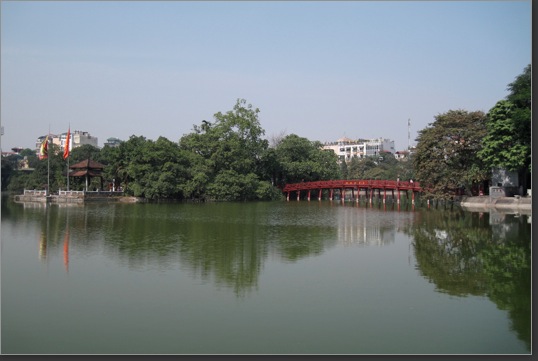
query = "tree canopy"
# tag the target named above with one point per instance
(226, 159)
(229, 158)
(446, 156)
(508, 141)
(299, 159)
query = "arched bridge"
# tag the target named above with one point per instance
(368, 187)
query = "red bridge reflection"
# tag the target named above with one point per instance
(357, 187)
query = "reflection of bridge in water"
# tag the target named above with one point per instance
(367, 187)
(372, 225)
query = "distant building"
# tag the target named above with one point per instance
(112, 142)
(41, 139)
(78, 138)
(402, 155)
(14, 151)
(81, 138)
(346, 148)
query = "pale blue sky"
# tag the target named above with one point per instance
(319, 69)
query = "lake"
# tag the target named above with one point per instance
(315, 277)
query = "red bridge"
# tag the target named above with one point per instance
(368, 187)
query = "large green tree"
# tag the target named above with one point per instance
(446, 156)
(228, 156)
(508, 141)
(300, 159)
(146, 168)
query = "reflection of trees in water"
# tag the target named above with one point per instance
(230, 255)
(225, 244)
(463, 255)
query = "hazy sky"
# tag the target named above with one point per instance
(319, 69)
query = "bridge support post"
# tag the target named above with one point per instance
(288, 197)
(384, 195)
(412, 197)
(343, 194)
(308, 196)
(398, 190)
(331, 193)
(298, 195)
(319, 194)
(371, 193)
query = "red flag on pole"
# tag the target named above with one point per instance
(67, 140)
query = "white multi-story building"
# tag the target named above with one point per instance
(78, 138)
(346, 148)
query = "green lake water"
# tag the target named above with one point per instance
(263, 278)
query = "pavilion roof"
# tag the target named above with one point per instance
(84, 172)
(87, 164)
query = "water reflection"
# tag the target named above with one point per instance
(222, 243)
(66, 249)
(462, 253)
(481, 254)
(373, 226)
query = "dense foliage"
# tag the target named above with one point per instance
(461, 148)
(508, 142)
(445, 159)
(224, 160)
(385, 168)
(229, 158)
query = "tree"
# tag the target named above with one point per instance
(229, 157)
(508, 141)
(446, 155)
(300, 160)
(85, 151)
(150, 169)
(344, 170)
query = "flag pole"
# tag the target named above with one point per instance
(48, 163)
(68, 173)
(66, 151)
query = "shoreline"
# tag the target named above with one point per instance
(486, 203)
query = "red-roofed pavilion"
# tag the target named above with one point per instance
(88, 169)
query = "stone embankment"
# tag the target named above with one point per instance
(486, 203)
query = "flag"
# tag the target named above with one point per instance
(44, 149)
(66, 149)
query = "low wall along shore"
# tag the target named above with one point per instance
(515, 204)
(40, 196)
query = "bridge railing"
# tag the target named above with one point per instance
(359, 184)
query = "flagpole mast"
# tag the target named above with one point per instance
(48, 164)
(68, 140)
(68, 173)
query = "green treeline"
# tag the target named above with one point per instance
(224, 160)
(459, 150)
(229, 159)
